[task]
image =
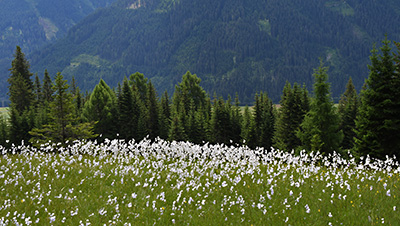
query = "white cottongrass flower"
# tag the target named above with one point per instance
(307, 208)
(102, 212)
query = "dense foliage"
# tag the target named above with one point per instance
(378, 122)
(135, 111)
(234, 46)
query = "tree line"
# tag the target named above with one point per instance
(56, 111)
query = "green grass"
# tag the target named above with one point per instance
(165, 183)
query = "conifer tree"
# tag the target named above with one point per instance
(21, 97)
(196, 129)
(348, 108)
(153, 110)
(63, 126)
(21, 86)
(320, 128)
(290, 116)
(177, 129)
(220, 122)
(189, 98)
(264, 121)
(248, 131)
(128, 112)
(102, 109)
(47, 88)
(236, 122)
(378, 121)
(165, 116)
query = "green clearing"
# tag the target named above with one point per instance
(4, 111)
(166, 183)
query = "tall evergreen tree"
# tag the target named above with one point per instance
(21, 85)
(177, 129)
(21, 97)
(348, 108)
(102, 109)
(165, 116)
(236, 122)
(153, 112)
(133, 116)
(290, 115)
(188, 100)
(128, 112)
(248, 127)
(47, 88)
(196, 126)
(264, 121)
(220, 122)
(378, 121)
(320, 128)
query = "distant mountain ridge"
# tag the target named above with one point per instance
(32, 24)
(232, 45)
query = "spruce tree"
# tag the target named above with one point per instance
(290, 116)
(165, 116)
(378, 121)
(153, 112)
(220, 122)
(128, 112)
(247, 132)
(21, 85)
(196, 128)
(320, 128)
(177, 129)
(21, 97)
(47, 88)
(264, 119)
(102, 109)
(236, 122)
(189, 98)
(348, 108)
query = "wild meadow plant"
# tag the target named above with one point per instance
(164, 183)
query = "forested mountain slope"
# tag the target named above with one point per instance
(33, 23)
(232, 45)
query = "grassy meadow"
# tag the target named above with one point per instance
(166, 183)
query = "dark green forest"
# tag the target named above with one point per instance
(234, 46)
(32, 24)
(55, 110)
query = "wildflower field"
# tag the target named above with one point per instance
(166, 183)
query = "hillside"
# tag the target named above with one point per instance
(32, 24)
(232, 45)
